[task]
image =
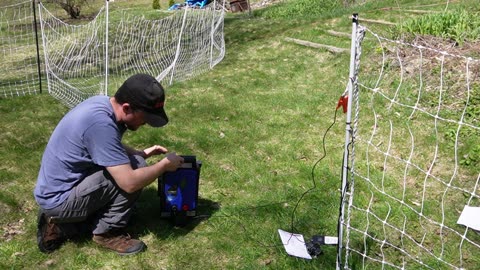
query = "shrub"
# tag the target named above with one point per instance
(72, 7)
(156, 4)
(458, 26)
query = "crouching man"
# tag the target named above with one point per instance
(87, 173)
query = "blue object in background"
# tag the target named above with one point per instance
(190, 3)
(199, 3)
(174, 7)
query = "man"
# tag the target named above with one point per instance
(88, 174)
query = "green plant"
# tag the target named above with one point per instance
(459, 26)
(156, 4)
(472, 158)
(303, 8)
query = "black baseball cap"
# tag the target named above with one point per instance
(144, 92)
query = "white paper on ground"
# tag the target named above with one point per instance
(294, 244)
(470, 217)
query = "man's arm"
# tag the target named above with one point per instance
(131, 180)
(154, 150)
(132, 151)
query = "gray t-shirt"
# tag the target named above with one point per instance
(84, 141)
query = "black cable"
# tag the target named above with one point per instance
(303, 194)
(313, 169)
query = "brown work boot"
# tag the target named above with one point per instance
(123, 244)
(49, 235)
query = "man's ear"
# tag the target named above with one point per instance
(126, 108)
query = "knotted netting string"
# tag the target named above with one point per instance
(411, 160)
(178, 47)
(20, 74)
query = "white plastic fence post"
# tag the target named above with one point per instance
(106, 48)
(348, 136)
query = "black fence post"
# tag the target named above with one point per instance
(38, 46)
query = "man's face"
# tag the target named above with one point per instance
(135, 119)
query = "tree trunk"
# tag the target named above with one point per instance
(72, 9)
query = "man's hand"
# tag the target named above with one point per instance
(172, 162)
(154, 150)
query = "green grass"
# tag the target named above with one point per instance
(302, 8)
(256, 121)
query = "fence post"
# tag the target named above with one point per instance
(348, 137)
(177, 53)
(106, 48)
(37, 44)
(211, 35)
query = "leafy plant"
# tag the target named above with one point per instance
(459, 26)
(472, 158)
(156, 4)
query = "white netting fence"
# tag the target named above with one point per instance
(18, 50)
(181, 46)
(176, 48)
(74, 57)
(416, 158)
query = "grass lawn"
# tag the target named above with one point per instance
(257, 123)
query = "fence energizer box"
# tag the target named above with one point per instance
(178, 191)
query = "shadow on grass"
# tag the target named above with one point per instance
(147, 218)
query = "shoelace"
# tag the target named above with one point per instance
(52, 232)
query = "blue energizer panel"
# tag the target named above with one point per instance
(181, 190)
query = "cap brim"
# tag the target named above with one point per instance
(158, 119)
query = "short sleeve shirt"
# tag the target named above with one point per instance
(87, 139)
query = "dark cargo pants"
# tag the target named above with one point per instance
(99, 200)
